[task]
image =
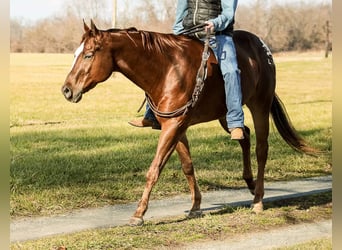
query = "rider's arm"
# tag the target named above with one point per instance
(227, 15)
(181, 11)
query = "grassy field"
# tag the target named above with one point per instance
(67, 156)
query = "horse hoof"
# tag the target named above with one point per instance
(135, 221)
(195, 214)
(257, 208)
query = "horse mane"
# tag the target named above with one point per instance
(152, 41)
(158, 42)
(161, 42)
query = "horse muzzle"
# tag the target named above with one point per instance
(70, 95)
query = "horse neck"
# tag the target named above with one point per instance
(140, 65)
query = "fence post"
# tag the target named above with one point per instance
(327, 39)
(114, 14)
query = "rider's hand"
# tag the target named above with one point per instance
(209, 26)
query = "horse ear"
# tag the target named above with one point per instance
(94, 29)
(86, 27)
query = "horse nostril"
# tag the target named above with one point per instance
(66, 92)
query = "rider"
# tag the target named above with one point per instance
(219, 19)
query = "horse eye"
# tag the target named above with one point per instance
(88, 56)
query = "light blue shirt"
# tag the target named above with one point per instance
(221, 22)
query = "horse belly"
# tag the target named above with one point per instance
(212, 104)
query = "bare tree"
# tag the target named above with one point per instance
(89, 9)
(283, 27)
(154, 15)
(257, 19)
(286, 26)
(16, 35)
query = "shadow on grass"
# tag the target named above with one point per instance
(304, 201)
(82, 157)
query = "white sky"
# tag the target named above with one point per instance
(37, 9)
(34, 9)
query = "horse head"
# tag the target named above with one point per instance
(92, 64)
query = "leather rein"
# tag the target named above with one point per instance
(200, 78)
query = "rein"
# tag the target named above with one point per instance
(200, 78)
(193, 30)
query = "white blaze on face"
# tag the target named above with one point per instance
(77, 53)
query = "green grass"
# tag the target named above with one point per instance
(66, 156)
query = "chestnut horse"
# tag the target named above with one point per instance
(164, 66)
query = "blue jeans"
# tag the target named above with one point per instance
(149, 113)
(224, 49)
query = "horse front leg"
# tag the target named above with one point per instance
(183, 151)
(166, 145)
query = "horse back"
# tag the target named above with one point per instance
(256, 65)
(257, 72)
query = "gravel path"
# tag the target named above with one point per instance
(119, 215)
(288, 236)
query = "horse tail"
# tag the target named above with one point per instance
(286, 129)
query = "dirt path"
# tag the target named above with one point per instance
(287, 236)
(119, 215)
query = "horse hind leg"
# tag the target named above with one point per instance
(246, 155)
(183, 151)
(261, 125)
